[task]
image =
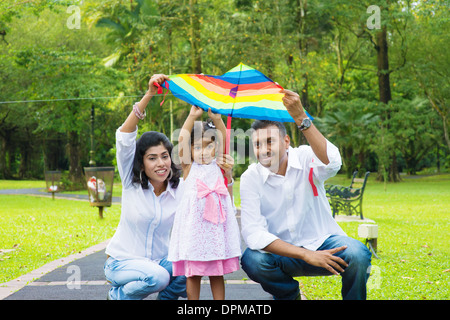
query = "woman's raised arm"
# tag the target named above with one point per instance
(138, 111)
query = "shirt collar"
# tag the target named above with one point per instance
(169, 189)
(293, 162)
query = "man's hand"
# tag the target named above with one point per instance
(320, 258)
(293, 104)
(326, 259)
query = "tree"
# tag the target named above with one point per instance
(63, 75)
(58, 78)
(368, 85)
(351, 127)
(430, 67)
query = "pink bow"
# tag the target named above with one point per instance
(210, 212)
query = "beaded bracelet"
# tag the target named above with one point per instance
(138, 113)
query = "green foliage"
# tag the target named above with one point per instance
(321, 49)
(351, 125)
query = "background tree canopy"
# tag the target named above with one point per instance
(380, 94)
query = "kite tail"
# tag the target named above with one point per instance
(227, 145)
(160, 90)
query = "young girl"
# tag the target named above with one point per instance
(205, 236)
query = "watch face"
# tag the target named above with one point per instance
(306, 122)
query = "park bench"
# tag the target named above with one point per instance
(347, 200)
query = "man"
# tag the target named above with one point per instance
(286, 219)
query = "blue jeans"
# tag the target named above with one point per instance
(275, 273)
(135, 279)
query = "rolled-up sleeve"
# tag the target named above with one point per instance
(322, 171)
(125, 149)
(253, 223)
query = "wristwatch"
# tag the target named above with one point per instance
(306, 123)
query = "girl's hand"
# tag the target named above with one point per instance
(196, 112)
(214, 116)
(158, 78)
(226, 162)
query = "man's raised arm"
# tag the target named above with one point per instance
(316, 140)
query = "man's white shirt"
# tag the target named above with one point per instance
(285, 207)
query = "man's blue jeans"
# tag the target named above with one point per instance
(135, 279)
(275, 273)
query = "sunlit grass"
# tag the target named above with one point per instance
(39, 230)
(413, 220)
(413, 237)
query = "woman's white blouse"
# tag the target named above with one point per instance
(146, 220)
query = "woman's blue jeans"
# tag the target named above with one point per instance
(275, 273)
(135, 279)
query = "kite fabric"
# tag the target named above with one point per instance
(242, 92)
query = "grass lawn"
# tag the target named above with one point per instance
(413, 220)
(413, 241)
(40, 230)
(21, 184)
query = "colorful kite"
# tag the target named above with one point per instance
(242, 92)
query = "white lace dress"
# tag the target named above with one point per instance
(205, 235)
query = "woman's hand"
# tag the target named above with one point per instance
(158, 78)
(133, 118)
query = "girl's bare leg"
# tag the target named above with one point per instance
(217, 287)
(193, 287)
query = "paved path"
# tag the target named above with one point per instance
(55, 280)
(59, 283)
(80, 276)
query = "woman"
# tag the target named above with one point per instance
(151, 188)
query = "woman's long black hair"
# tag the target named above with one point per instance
(147, 140)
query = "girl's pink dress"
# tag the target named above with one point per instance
(205, 235)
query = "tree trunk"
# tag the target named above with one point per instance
(194, 37)
(73, 148)
(3, 171)
(23, 167)
(384, 88)
(303, 48)
(444, 123)
(7, 154)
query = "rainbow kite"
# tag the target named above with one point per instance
(242, 92)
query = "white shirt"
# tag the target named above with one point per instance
(284, 207)
(146, 220)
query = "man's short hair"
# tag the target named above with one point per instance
(262, 124)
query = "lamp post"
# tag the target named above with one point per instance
(53, 182)
(99, 180)
(91, 152)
